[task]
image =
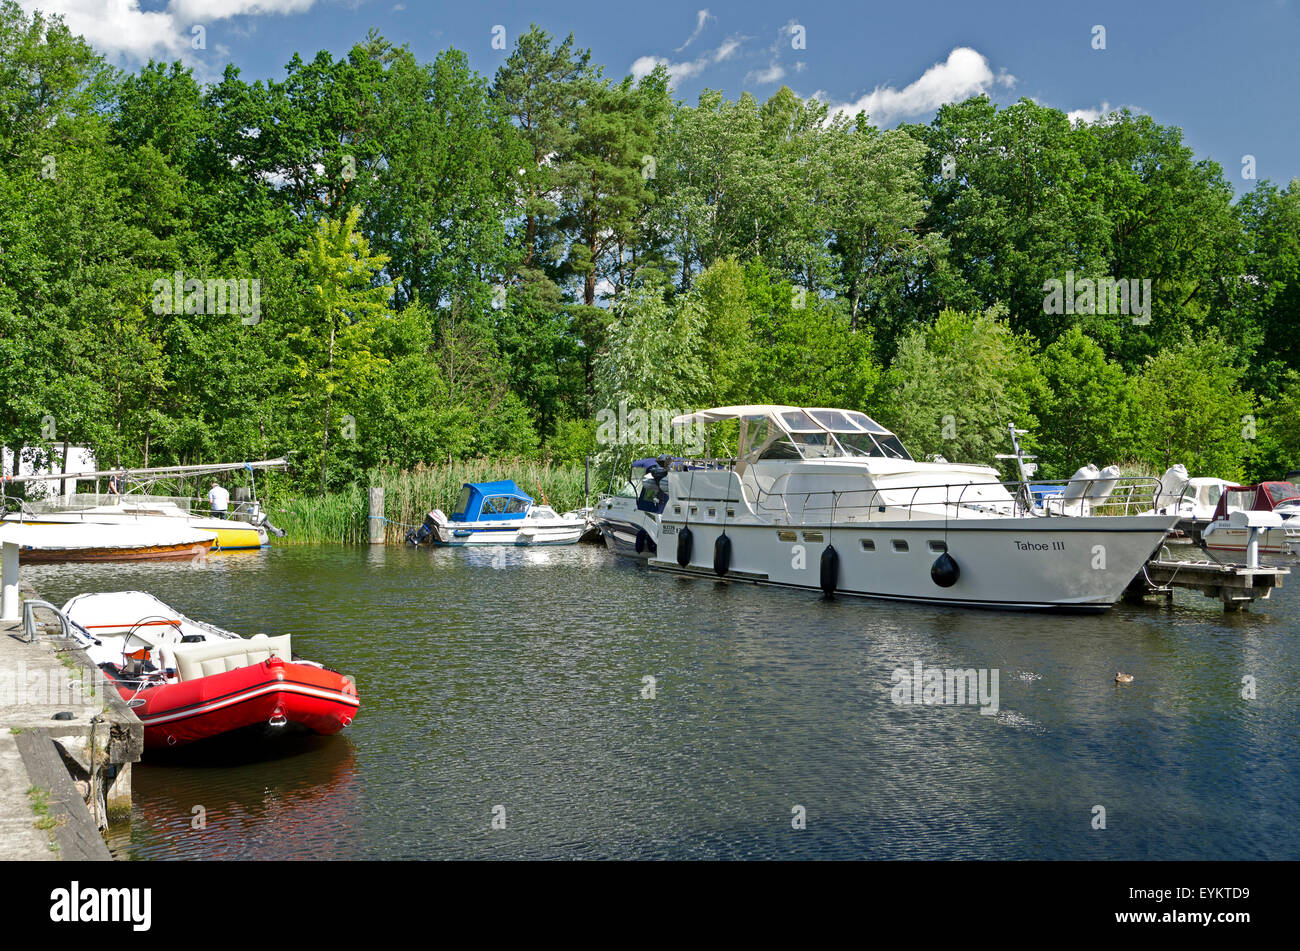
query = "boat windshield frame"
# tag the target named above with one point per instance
(794, 434)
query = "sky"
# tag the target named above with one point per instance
(1226, 73)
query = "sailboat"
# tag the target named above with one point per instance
(246, 526)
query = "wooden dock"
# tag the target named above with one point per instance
(67, 742)
(1235, 585)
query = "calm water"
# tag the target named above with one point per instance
(514, 679)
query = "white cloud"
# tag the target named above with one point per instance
(773, 73)
(642, 65)
(118, 26)
(121, 28)
(1087, 115)
(964, 74)
(702, 19)
(197, 11)
(1101, 113)
(726, 50)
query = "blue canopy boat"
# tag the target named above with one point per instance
(500, 513)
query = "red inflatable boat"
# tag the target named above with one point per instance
(188, 681)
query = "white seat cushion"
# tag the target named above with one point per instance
(216, 657)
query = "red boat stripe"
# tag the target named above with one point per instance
(243, 696)
(126, 685)
(128, 626)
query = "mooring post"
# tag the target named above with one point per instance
(9, 597)
(375, 527)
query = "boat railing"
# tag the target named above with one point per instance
(1045, 499)
(131, 504)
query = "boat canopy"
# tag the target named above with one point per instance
(488, 501)
(791, 432)
(1261, 497)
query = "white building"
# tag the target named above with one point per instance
(38, 460)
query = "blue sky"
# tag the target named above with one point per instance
(1228, 74)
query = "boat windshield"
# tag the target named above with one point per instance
(805, 440)
(1282, 492)
(802, 434)
(860, 435)
(462, 503)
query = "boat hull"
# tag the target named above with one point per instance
(620, 522)
(458, 535)
(230, 536)
(1273, 541)
(620, 537)
(146, 553)
(1074, 564)
(278, 696)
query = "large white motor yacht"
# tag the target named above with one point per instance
(830, 499)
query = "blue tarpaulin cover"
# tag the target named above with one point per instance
(489, 501)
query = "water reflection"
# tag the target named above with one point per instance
(514, 678)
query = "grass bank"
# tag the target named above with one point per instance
(340, 517)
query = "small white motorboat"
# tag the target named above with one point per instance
(499, 513)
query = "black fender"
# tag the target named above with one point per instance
(830, 570)
(685, 542)
(722, 555)
(945, 571)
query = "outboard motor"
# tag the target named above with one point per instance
(423, 533)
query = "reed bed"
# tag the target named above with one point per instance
(341, 517)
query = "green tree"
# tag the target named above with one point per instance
(1193, 410)
(958, 383)
(1088, 413)
(331, 348)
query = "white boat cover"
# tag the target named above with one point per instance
(88, 535)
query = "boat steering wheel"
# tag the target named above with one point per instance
(147, 647)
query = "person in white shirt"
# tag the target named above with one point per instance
(218, 500)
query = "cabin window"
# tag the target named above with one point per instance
(938, 547)
(780, 448)
(713, 513)
(1282, 492)
(787, 536)
(899, 544)
(1240, 501)
(868, 544)
(731, 513)
(462, 503)
(812, 536)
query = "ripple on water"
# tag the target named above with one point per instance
(517, 679)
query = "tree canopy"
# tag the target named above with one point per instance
(373, 260)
